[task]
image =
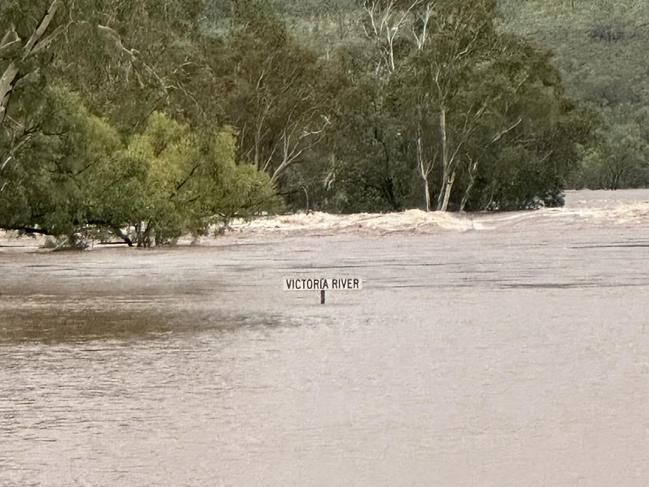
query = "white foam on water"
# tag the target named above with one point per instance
(584, 207)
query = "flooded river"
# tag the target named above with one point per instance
(512, 350)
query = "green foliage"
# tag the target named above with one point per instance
(600, 49)
(278, 94)
(76, 172)
(45, 179)
(128, 59)
(475, 117)
(621, 156)
(182, 182)
(236, 190)
(159, 162)
(150, 119)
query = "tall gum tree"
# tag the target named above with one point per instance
(459, 37)
(280, 96)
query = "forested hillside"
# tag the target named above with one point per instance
(148, 119)
(600, 48)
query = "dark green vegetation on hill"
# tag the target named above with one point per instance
(148, 119)
(600, 48)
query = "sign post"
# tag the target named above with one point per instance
(322, 284)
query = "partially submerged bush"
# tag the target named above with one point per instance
(162, 182)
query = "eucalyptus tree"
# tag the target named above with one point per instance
(455, 39)
(280, 95)
(371, 164)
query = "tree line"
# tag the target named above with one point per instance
(149, 119)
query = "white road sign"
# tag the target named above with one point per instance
(322, 284)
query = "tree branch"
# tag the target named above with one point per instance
(10, 75)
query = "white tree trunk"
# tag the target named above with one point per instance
(424, 169)
(445, 161)
(473, 169)
(42, 27)
(427, 192)
(10, 75)
(7, 82)
(448, 186)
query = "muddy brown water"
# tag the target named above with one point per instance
(517, 355)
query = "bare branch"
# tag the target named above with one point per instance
(133, 54)
(7, 82)
(422, 37)
(45, 43)
(292, 149)
(10, 75)
(10, 39)
(42, 27)
(504, 132)
(118, 41)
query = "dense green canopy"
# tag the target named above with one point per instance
(148, 119)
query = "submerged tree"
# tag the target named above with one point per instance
(76, 174)
(156, 159)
